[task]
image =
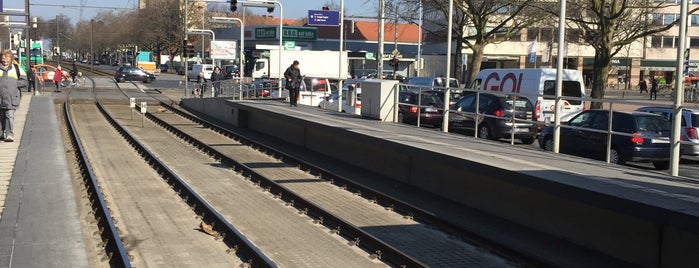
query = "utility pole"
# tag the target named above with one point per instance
(379, 57)
(395, 44)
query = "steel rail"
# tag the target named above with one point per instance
(231, 236)
(115, 250)
(399, 206)
(375, 246)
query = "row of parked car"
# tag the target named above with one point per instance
(639, 136)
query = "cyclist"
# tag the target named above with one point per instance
(74, 72)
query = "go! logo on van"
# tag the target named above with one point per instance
(510, 80)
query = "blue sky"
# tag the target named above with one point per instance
(71, 8)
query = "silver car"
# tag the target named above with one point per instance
(690, 127)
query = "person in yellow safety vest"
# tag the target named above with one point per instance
(12, 78)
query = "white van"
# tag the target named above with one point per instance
(539, 85)
(207, 69)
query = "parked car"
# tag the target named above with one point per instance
(493, 120)
(130, 73)
(207, 69)
(163, 67)
(46, 71)
(230, 71)
(349, 88)
(430, 107)
(261, 88)
(647, 137)
(689, 125)
(433, 82)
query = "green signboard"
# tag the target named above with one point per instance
(289, 33)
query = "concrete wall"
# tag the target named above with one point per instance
(640, 234)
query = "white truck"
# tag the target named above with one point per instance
(315, 64)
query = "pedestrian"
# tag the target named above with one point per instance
(642, 85)
(57, 77)
(31, 78)
(216, 77)
(74, 72)
(293, 82)
(653, 89)
(12, 80)
(201, 83)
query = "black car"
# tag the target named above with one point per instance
(430, 107)
(494, 118)
(130, 73)
(230, 71)
(646, 139)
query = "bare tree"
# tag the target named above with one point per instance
(608, 26)
(476, 24)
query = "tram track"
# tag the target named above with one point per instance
(438, 250)
(403, 236)
(135, 215)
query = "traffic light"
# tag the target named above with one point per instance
(270, 9)
(326, 8)
(234, 5)
(395, 61)
(190, 50)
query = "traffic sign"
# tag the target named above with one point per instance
(289, 45)
(323, 17)
(369, 56)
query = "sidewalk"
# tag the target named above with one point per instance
(9, 150)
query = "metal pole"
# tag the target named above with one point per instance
(679, 92)
(339, 72)
(559, 76)
(183, 56)
(92, 40)
(419, 42)
(281, 48)
(379, 56)
(445, 120)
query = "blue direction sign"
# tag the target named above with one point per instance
(323, 17)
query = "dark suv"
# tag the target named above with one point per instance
(130, 73)
(646, 137)
(494, 119)
(429, 107)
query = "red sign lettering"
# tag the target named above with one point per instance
(509, 79)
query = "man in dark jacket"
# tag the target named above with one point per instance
(293, 82)
(216, 77)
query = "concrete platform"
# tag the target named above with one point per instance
(641, 218)
(40, 225)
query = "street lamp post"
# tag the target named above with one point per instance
(268, 5)
(241, 57)
(213, 40)
(92, 51)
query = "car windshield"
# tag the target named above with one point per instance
(652, 123)
(519, 103)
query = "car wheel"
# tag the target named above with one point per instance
(661, 165)
(484, 132)
(401, 118)
(120, 80)
(528, 140)
(548, 144)
(148, 80)
(615, 157)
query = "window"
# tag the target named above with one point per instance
(658, 19)
(669, 18)
(694, 20)
(656, 41)
(669, 41)
(570, 89)
(694, 42)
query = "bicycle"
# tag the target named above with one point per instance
(68, 81)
